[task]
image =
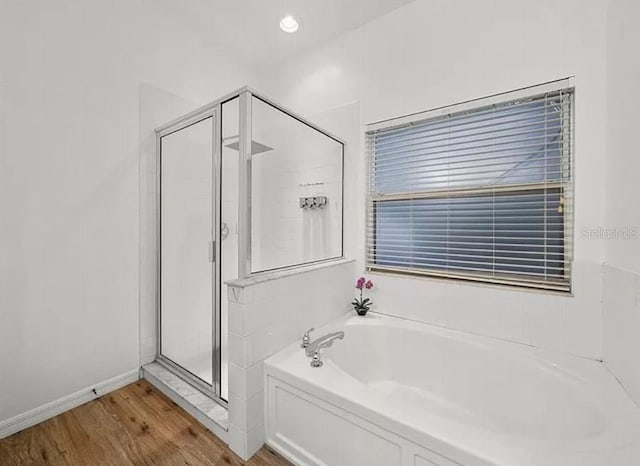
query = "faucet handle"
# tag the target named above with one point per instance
(306, 339)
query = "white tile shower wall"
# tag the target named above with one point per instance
(264, 318)
(621, 305)
(302, 163)
(377, 65)
(344, 121)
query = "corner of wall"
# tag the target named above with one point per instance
(621, 329)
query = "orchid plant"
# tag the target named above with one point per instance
(361, 305)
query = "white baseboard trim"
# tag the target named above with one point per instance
(49, 410)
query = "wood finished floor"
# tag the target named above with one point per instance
(136, 425)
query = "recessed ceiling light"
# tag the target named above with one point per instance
(289, 24)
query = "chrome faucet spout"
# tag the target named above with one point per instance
(313, 350)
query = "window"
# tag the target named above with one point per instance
(478, 191)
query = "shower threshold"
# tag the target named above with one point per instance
(206, 410)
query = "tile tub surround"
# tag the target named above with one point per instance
(267, 312)
(560, 322)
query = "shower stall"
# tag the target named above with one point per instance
(244, 187)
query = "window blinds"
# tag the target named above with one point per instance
(483, 193)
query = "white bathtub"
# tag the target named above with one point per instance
(395, 392)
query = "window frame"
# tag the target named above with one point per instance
(565, 185)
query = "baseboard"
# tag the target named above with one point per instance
(49, 410)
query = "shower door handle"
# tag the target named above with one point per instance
(212, 251)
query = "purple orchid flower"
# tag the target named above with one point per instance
(362, 304)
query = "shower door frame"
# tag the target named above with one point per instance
(212, 112)
(245, 95)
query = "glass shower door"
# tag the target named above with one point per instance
(187, 252)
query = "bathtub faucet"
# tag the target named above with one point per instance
(313, 350)
(306, 339)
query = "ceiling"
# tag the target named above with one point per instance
(250, 28)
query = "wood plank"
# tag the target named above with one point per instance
(135, 425)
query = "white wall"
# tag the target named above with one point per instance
(438, 52)
(623, 119)
(70, 75)
(622, 271)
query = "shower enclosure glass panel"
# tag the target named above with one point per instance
(296, 191)
(244, 186)
(229, 207)
(187, 267)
